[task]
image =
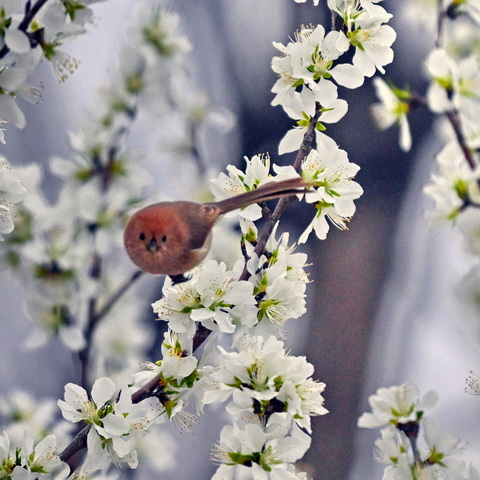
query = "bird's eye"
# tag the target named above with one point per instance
(164, 238)
(142, 236)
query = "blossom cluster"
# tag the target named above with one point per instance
(29, 33)
(309, 68)
(117, 424)
(60, 250)
(452, 69)
(453, 75)
(400, 412)
(272, 398)
(216, 299)
(453, 94)
(29, 461)
(32, 437)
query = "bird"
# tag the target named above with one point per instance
(171, 238)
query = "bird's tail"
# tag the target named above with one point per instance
(269, 191)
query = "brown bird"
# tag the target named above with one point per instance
(171, 238)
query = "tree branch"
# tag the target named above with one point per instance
(285, 201)
(78, 443)
(153, 388)
(118, 294)
(454, 120)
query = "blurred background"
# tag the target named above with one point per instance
(381, 307)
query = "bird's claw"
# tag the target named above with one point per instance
(180, 278)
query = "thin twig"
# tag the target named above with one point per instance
(31, 14)
(285, 201)
(452, 115)
(118, 294)
(456, 124)
(440, 18)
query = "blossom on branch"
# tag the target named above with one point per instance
(115, 421)
(335, 191)
(263, 379)
(250, 450)
(27, 461)
(454, 186)
(212, 297)
(256, 174)
(396, 405)
(363, 21)
(392, 109)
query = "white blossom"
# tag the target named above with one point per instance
(11, 192)
(442, 448)
(212, 297)
(455, 83)
(335, 190)
(264, 379)
(393, 449)
(391, 110)
(372, 40)
(454, 186)
(43, 458)
(302, 107)
(256, 174)
(397, 404)
(251, 451)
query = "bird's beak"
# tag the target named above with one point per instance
(153, 246)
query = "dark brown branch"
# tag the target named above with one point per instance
(454, 120)
(285, 201)
(84, 355)
(31, 14)
(76, 445)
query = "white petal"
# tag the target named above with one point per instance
(325, 91)
(405, 135)
(10, 111)
(69, 413)
(75, 395)
(304, 236)
(291, 141)
(339, 109)
(347, 75)
(6, 223)
(102, 391)
(17, 40)
(364, 63)
(334, 44)
(115, 425)
(73, 338)
(97, 456)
